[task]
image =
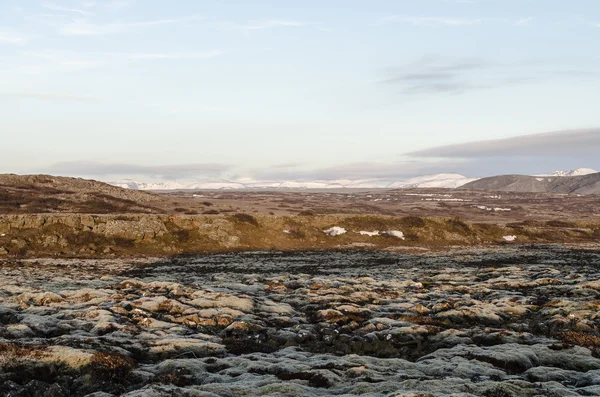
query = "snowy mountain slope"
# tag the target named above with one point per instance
(444, 180)
(576, 172)
(430, 181)
(433, 181)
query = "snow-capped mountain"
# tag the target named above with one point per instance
(438, 180)
(427, 181)
(576, 172)
(447, 180)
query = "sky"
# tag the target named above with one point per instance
(281, 89)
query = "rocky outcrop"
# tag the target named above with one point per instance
(583, 184)
(85, 235)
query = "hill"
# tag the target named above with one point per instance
(583, 184)
(45, 193)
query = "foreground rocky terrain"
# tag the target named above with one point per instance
(508, 321)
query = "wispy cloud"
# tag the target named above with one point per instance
(57, 7)
(359, 170)
(51, 96)
(111, 5)
(525, 21)
(287, 165)
(432, 21)
(72, 61)
(452, 21)
(435, 74)
(50, 61)
(83, 27)
(561, 143)
(175, 55)
(246, 28)
(174, 171)
(11, 37)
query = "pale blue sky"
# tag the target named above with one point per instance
(117, 88)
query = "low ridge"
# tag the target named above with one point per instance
(583, 184)
(46, 193)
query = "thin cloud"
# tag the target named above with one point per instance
(56, 7)
(176, 55)
(561, 143)
(432, 21)
(525, 21)
(360, 170)
(436, 74)
(9, 37)
(82, 27)
(115, 5)
(176, 171)
(246, 28)
(273, 23)
(445, 75)
(51, 96)
(74, 61)
(287, 165)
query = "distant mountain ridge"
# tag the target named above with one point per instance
(575, 172)
(579, 184)
(446, 180)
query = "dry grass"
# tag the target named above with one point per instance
(245, 218)
(111, 365)
(580, 339)
(11, 353)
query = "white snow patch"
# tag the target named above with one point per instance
(335, 231)
(575, 172)
(286, 231)
(370, 234)
(444, 199)
(509, 238)
(497, 209)
(428, 194)
(395, 233)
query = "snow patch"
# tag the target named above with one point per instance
(575, 172)
(497, 209)
(335, 231)
(370, 234)
(509, 238)
(445, 199)
(395, 233)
